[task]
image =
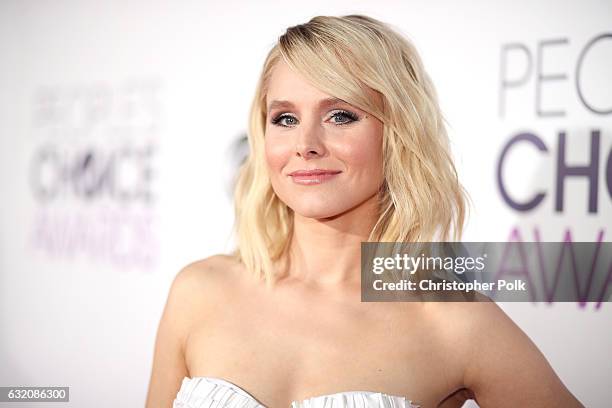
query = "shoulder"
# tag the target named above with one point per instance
(200, 282)
(206, 272)
(212, 265)
(476, 328)
(502, 366)
(191, 293)
(455, 329)
(481, 311)
(465, 321)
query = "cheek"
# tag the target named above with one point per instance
(363, 154)
(277, 153)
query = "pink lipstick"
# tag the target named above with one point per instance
(315, 176)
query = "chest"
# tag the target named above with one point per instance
(287, 355)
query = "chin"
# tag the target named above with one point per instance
(316, 215)
(317, 211)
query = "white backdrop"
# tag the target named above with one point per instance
(118, 123)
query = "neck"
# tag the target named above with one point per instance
(327, 252)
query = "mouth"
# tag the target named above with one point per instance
(310, 177)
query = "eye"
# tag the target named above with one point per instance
(344, 116)
(339, 117)
(284, 120)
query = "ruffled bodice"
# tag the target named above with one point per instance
(211, 392)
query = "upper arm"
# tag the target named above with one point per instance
(169, 367)
(505, 368)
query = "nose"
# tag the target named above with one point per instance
(309, 143)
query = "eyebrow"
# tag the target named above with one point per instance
(288, 104)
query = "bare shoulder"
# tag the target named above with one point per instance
(204, 285)
(192, 287)
(502, 365)
(199, 285)
(214, 267)
(205, 275)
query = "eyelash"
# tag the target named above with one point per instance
(347, 114)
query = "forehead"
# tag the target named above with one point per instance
(287, 84)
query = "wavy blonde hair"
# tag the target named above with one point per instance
(421, 199)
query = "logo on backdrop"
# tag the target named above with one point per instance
(93, 172)
(557, 94)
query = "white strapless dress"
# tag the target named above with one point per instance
(212, 392)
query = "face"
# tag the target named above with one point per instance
(324, 155)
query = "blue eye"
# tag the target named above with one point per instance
(346, 115)
(340, 117)
(278, 120)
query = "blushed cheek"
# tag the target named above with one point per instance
(277, 155)
(366, 158)
(364, 154)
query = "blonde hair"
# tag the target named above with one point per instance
(421, 199)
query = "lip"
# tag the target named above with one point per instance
(315, 176)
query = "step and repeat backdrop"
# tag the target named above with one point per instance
(122, 125)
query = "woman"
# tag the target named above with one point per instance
(347, 144)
